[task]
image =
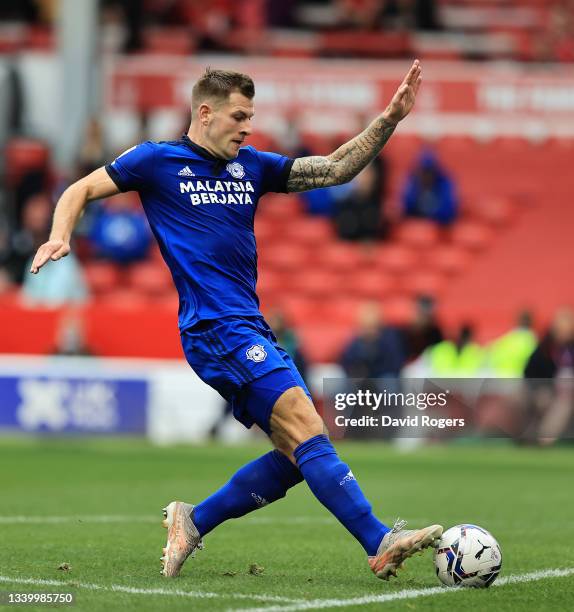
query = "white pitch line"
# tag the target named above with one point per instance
(118, 588)
(98, 518)
(317, 604)
(119, 518)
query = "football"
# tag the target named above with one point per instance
(469, 556)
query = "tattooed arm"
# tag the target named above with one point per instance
(349, 159)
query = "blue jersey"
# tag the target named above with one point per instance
(201, 211)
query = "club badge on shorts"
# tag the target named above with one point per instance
(256, 353)
(236, 170)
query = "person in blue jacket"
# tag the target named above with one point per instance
(430, 193)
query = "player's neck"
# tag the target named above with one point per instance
(194, 134)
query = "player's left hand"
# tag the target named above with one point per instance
(404, 98)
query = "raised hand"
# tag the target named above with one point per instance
(404, 98)
(53, 249)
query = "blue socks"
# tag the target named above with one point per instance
(268, 479)
(256, 484)
(334, 485)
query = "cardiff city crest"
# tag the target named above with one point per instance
(256, 353)
(236, 170)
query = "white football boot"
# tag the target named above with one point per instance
(399, 544)
(182, 537)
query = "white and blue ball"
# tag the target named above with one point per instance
(469, 556)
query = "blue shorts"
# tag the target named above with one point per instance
(240, 358)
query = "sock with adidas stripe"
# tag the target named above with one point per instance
(255, 485)
(335, 486)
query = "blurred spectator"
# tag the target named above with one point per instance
(57, 285)
(510, 353)
(426, 15)
(21, 244)
(430, 192)
(373, 360)
(555, 42)
(70, 340)
(92, 153)
(554, 355)
(6, 284)
(28, 172)
(281, 14)
(387, 14)
(424, 331)
(358, 209)
(120, 231)
(550, 374)
(317, 201)
(19, 10)
(131, 13)
(460, 358)
(287, 338)
(377, 350)
(360, 14)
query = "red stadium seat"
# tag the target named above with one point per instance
(423, 283)
(448, 259)
(280, 206)
(340, 257)
(317, 143)
(396, 258)
(370, 284)
(284, 256)
(343, 311)
(155, 253)
(102, 277)
(23, 155)
(496, 211)
(398, 311)
(268, 230)
(172, 41)
(272, 285)
(472, 235)
(324, 343)
(262, 142)
(366, 43)
(309, 230)
(318, 283)
(168, 301)
(152, 279)
(418, 233)
(269, 281)
(302, 309)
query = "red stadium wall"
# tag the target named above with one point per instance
(112, 331)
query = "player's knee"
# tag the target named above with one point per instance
(294, 420)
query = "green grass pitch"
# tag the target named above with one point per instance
(81, 494)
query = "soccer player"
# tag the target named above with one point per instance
(200, 194)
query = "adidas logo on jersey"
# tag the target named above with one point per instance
(186, 172)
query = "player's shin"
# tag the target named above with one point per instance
(335, 486)
(255, 485)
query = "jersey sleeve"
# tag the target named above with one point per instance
(275, 169)
(133, 170)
